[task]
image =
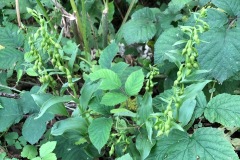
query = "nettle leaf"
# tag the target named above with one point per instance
(33, 129)
(113, 98)
(232, 7)
(99, 131)
(125, 157)
(221, 52)
(224, 109)
(9, 57)
(9, 114)
(109, 79)
(140, 28)
(108, 54)
(205, 143)
(134, 83)
(164, 48)
(215, 18)
(176, 5)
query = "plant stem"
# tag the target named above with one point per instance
(82, 27)
(128, 12)
(44, 12)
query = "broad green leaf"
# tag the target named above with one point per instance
(216, 18)
(140, 28)
(96, 106)
(113, 98)
(47, 148)
(50, 156)
(109, 79)
(220, 53)
(232, 7)
(67, 150)
(144, 13)
(9, 114)
(33, 129)
(186, 111)
(77, 124)
(224, 109)
(138, 31)
(99, 132)
(164, 48)
(205, 143)
(27, 103)
(176, 5)
(125, 157)
(123, 112)
(50, 102)
(9, 57)
(29, 152)
(87, 92)
(145, 108)
(11, 138)
(134, 83)
(11, 36)
(143, 145)
(108, 54)
(119, 67)
(37, 158)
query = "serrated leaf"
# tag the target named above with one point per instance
(205, 143)
(165, 45)
(232, 7)
(176, 5)
(134, 83)
(108, 54)
(99, 132)
(201, 105)
(47, 148)
(221, 52)
(33, 129)
(77, 124)
(109, 79)
(113, 98)
(138, 31)
(123, 112)
(215, 18)
(29, 152)
(9, 114)
(9, 57)
(224, 109)
(140, 28)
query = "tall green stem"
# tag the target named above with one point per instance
(105, 24)
(44, 12)
(82, 27)
(128, 12)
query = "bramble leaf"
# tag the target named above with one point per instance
(220, 53)
(164, 48)
(205, 143)
(224, 109)
(99, 132)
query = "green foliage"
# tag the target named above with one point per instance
(121, 80)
